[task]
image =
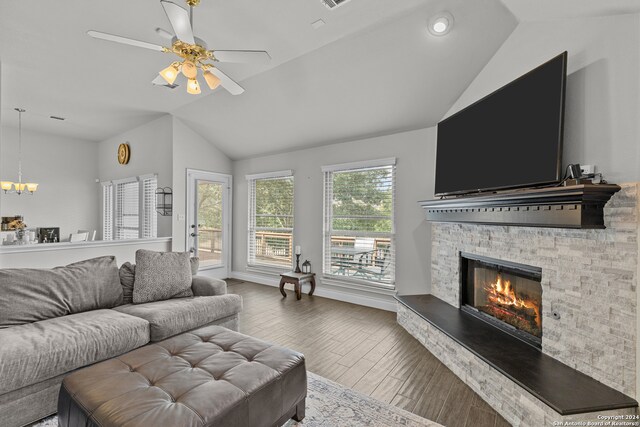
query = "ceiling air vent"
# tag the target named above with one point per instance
(332, 4)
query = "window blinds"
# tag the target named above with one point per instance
(128, 208)
(107, 211)
(150, 217)
(271, 220)
(127, 220)
(359, 225)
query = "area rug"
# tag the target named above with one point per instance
(331, 405)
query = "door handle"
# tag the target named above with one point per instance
(194, 234)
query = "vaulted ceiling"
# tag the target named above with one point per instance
(372, 69)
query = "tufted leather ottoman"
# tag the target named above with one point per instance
(207, 377)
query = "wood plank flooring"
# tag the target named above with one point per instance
(365, 349)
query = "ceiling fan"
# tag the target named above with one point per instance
(192, 52)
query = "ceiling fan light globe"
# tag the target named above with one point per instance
(193, 87)
(170, 74)
(212, 81)
(189, 69)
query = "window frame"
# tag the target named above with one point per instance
(251, 221)
(110, 231)
(327, 217)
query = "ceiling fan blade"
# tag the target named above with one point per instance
(242, 56)
(159, 81)
(180, 22)
(124, 40)
(164, 33)
(227, 82)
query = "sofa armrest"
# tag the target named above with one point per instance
(207, 286)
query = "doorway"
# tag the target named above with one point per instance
(209, 221)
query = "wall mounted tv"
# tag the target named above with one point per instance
(511, 138)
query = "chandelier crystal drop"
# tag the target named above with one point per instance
(19, 187)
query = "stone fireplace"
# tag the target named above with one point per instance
(570, 292)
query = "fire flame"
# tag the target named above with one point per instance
(502, 293)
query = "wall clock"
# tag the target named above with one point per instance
(123, 154)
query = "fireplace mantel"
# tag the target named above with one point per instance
(577, 206)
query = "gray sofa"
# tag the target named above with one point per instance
(40, 348)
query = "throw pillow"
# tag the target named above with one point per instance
(127, 276)
(29, 295)
(161, 275)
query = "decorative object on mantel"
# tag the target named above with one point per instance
(298, 253)
(192, 52)
(306, 267)
(164, 201)
(19, 187)
(578, 206)
(124, 152)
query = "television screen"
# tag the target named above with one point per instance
(510, 138)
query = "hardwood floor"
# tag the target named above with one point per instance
(365, 349)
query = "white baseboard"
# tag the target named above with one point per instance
(383, 302)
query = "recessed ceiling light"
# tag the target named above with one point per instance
(440, 24)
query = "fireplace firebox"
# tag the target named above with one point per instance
(504, 294)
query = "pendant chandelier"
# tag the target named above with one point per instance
(19, 187)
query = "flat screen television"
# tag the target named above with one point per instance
(509, 139)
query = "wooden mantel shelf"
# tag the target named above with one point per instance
(577, 206)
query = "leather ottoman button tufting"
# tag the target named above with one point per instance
(236, 388)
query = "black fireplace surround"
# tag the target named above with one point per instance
(504, 294)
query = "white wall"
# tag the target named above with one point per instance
(65, 168)
(190, 151)
(603, 87)
(151, 152)
(415, 153)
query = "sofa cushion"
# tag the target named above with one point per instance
(161, 275)
(172, 317)
(38, 351)
(29, 295)
(128, 273)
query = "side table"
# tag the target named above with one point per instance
(297, 280)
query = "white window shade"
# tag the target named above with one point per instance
(107, 211)
(127, 212)
(128, 208)
(359, 225)
(149, 215)
(271, 221)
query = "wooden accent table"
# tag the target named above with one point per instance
(297, 280)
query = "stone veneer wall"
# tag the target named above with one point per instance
(589, 277)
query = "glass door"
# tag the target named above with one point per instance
(209, 221)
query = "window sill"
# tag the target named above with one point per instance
(358, 284)
(268, 269)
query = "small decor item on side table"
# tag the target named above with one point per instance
(306, 267)
(298, 252)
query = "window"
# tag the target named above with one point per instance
(128, 208)
(271, 219)
(359, 228)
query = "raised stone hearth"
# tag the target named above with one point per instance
(589, 285)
